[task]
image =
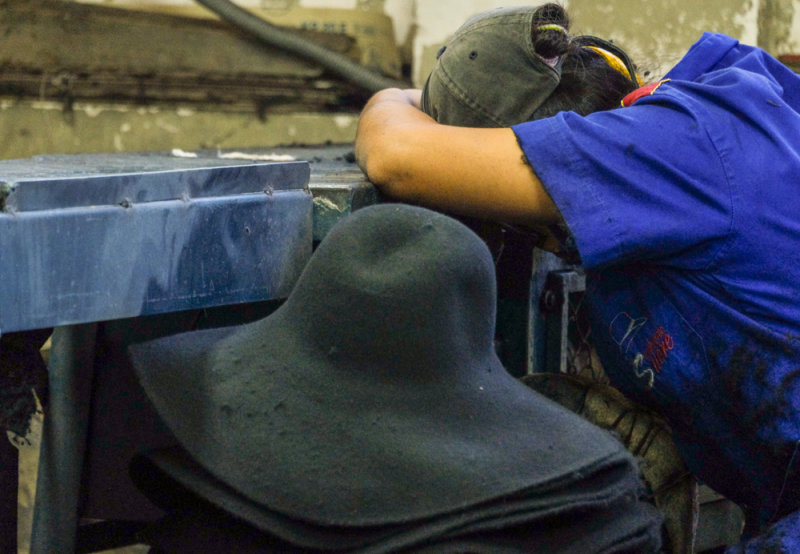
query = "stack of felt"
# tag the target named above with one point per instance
(596, 512)
(370, 414)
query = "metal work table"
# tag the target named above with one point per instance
(88, 239)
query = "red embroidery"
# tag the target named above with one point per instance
(631, 99)
(658, 348)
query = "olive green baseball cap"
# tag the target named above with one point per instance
(480, 72)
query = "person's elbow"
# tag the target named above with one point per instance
(374, 161)
(381, 159)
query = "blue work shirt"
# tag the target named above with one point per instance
(685, 210)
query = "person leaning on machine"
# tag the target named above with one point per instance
(680, 200)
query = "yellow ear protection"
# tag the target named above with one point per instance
(613, 54)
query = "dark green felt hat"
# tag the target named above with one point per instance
(373, 396)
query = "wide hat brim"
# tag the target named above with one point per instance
(600, 503)
(348, 406)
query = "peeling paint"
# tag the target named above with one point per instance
(327, 204)
(93, 111)
(46, 105)
(775, 26)
(150, 110)
(745, 21)
(168, 127)
(343, 121)
(257, 157)
(657, 34)
(178, 153)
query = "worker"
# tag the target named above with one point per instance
(681, 204)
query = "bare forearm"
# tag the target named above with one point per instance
(477, 172)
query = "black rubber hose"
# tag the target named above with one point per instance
(275, 36)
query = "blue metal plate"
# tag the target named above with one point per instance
(233, 233)
(55, 182)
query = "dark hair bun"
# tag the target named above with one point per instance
(550, 31)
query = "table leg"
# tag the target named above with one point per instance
(9, 489)
(70, 371)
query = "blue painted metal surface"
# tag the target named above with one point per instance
(92, 238)
(547, 338)
(57, 182)
(100, 237)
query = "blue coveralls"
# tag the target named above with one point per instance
(685, 210)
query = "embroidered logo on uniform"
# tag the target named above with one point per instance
(648, 90)
(624, 329)
(658, 348)
(643, 372)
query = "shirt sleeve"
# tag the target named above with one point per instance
(638, 183)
